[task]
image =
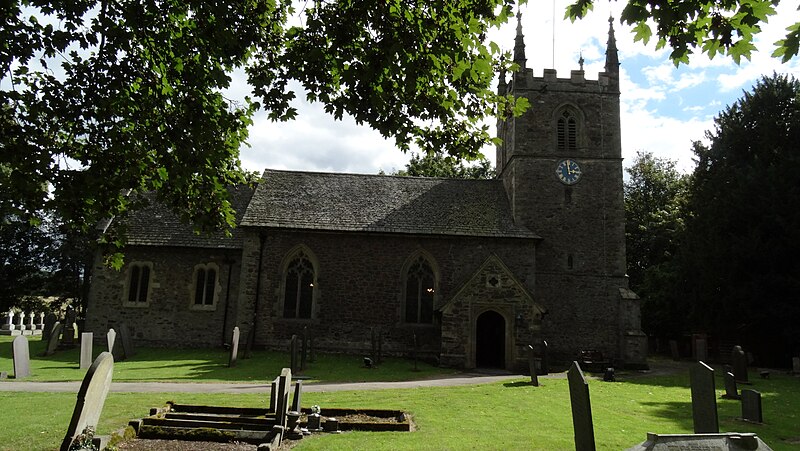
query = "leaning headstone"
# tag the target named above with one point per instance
(532, 366)
(293, 354)
(91, 397)
(298, 395)
(49, 320)
(127, 342)
(581, 409)
(739, 362)
(796, 365)
(55, 339)
(731, 391)
(731, 441)
(673, 350)
(751, 406)
(86, 350)
(21, 356)
(704, 399)
(234, 348)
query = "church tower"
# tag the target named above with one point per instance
(561, 165)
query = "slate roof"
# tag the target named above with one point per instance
(157, 225)
(382, 203)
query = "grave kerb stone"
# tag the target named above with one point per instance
(21, 357)
(91, 398)
(581, 409)
(86, 349)
(704, 399)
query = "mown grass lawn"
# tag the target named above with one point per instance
(211, 365)
(503, 416)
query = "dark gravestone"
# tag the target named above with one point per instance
(293, 354)
(115, 347)
(581, 409)
(282, 397)
(704, 399)
(532, 366)
(68, 336)
(55, 339)
(298, 395)
(544, 366)
(49, 321)
(739, 362)
(304, 349)
(91, 397)
(124, 335)
(234, 348)
(21, 356)
(731, 391)
(673, 350)
(751, 406)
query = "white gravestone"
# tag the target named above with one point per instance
(91, 398)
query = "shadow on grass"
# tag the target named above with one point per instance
(518, 384)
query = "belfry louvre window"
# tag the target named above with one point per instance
(298, 296)
(420, 287)
(205, 285)
(138, 283)
(567, 131)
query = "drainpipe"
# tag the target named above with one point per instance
(228, 261)
(262, 242)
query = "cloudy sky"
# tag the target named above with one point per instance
(664, 108)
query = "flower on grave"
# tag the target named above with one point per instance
(315, 409)
(83, 442)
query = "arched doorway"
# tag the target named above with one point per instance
(490, 340)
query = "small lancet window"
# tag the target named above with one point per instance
(298, 296)
(420, 290)
(567, 131)
(139, 283)
(205, 285)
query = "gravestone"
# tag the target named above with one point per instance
(673, 350)
(704, 399)
(731, 441)
(298, 395)
(8, 323)
(55, 339)
(273, 395)
(234, 348)
(751, 406)
(532, 366)
(282, 398)
(91, 397)
(21, 356)
(49, 320)
(20, 321)
(544, 365)
(31, 325)
(731, 391)
(796, 365)
(293, 354)
(304, 349)
(40, 324)
(111, 338)
(739, 362)
(86, 349)
(127, 341)
(68, 337)
(581, 409)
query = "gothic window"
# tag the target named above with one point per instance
(419, 292)
(567, 128)
(138, 284)
(298, 296)
(205, 286)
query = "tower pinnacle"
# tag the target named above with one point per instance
(519, 44)
(612, 58)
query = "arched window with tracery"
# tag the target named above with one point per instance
(420, 289)
(567, 130)
(298, 295)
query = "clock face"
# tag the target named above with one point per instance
(568, 171)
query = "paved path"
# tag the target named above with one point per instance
(188, 387)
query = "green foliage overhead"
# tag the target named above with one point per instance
(710, 26)
(743, 235)
(440, 165)
(100, 100)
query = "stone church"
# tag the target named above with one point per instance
(473, 270)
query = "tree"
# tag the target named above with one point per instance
(743, 235)
(712, 26)
(655, 208)
(101, 100)
(440, 165)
